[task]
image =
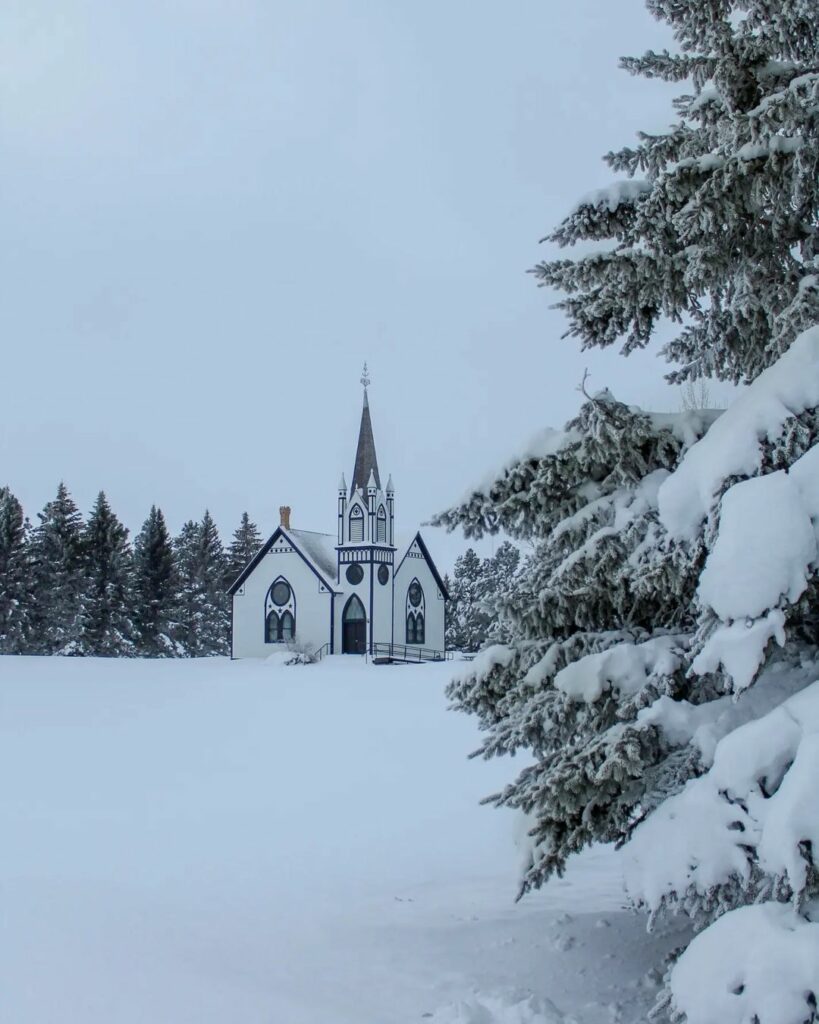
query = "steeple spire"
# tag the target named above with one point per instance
(366, 462)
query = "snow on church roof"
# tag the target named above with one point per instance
(320, 547)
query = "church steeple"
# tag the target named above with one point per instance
(366, 463)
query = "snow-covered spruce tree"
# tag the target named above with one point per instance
(595, 587)
(246, 542)
(499, 573)
(717, 225)
(106, 626)
(15, 577)
(187, 614)
(57, 577)
(467, 620)
(202, 607)
(216, 614)
(475, 591)
(665, 626)
(452, 628)
(154, 597)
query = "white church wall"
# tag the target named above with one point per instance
(415, 566)
(382, 607)
(375, 596)
(312, 603)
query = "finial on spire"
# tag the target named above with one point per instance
(365, 377)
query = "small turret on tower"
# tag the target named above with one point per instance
(342, 507)
(391, 511)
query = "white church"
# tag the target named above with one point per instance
(348, 592)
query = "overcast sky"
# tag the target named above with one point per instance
(213, 211)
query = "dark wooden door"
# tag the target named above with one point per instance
(354, 637)
(354, 627)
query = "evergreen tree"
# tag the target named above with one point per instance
(675, 557)
(467, 618)
(716, 227)
(57, 574)
(106, 625)
(202, 614)
(15, 579)
(245, 544)
(154, 582)
(589, 509)
(216, 613)
(476, 593)
(187, 629)
(499, 573)
(448, 586)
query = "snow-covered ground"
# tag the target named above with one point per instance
(206, 841)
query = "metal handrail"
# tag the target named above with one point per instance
(403, 652)
(319, 654)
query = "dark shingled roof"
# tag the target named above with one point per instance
(365, 460)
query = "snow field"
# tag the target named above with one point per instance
(206, 841)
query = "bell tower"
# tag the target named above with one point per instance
(366, 540)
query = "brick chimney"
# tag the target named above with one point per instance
(284, 516)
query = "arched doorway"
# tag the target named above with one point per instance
(353, 627)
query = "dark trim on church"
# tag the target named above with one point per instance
(363, 553)
(428, 557)
(251, 565)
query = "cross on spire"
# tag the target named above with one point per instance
(365, 377)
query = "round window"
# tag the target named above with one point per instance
(415, 594)
(355, 574)
(383, 575)
(281, 592)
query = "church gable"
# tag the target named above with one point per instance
(282, 543)
(418, 552)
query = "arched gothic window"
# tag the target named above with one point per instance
(356, 524)
(416, 625)
(280, 628)
(416, 632)
(280, 613)
(381, 526)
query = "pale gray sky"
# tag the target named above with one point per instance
(213, 211)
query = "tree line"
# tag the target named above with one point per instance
(76, 586)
